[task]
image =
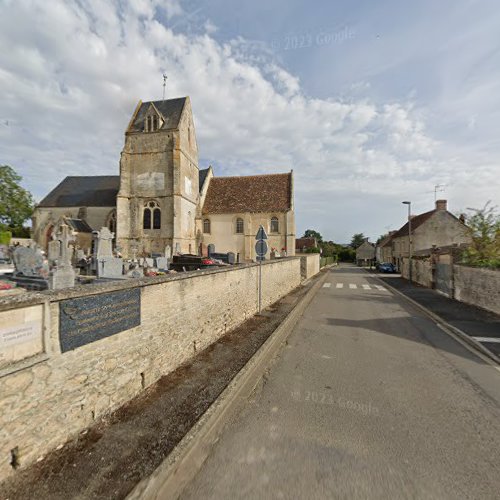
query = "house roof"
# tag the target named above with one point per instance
(85, 191)
(416, 221)
(306, 242)
(387, 239)
(254, 193)
(170, 109)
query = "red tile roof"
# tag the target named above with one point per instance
(254, 193)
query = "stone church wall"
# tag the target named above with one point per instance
(49, 398)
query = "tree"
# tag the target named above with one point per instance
(484, 230)
(16, 203)
(357, 240)
(311, 233)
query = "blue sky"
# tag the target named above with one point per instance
(370, 103)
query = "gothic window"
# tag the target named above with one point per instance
(206, 226)
(155, 123)
(275, 225)
(148, 124)
(239, 225)
(151, 218)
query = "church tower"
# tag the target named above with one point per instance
(158, 197)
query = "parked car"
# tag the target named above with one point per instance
(387, 267)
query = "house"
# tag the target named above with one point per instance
(383, 250)
(161, 198)
(436, 228)
(304, 244)
(365, 253)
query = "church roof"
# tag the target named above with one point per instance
(85, 191)
(255, 193)
(171, 110)
(202, 176)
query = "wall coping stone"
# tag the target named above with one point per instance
(34, 298)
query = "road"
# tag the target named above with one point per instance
(368, 399)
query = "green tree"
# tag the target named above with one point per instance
(357, 240)
(484, 229)
(311, 233)
(16, 203)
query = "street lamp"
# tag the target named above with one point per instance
(409, 237)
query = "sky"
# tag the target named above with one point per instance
(370, 103)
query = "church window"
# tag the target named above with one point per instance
(156, 218)
(148, 124)
(206, 226)
(239, 225)
(155, 123)
(151, 218)
(275, 225)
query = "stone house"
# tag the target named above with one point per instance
(437, 227)
(161, 198)
(306, 243)
(365, 253)
(383, 250)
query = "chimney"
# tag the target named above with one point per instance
(441, 205)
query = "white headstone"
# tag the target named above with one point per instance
(110, 267)
(104, 243)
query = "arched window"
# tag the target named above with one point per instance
(239, 225)
(151, 214)
(206, 226)
(155, 123)
(148, 124)
(275, 225)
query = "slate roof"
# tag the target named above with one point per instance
(202, 176)
(85, 191)
(416, 221)
(171, 110)
(254, 193)
(78, 225)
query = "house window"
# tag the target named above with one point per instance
(275, 225)
(152, 213)
(206, 226)
(239, 225)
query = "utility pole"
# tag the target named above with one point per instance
(409, 238)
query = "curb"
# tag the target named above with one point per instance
(183, 463)
(450, 329)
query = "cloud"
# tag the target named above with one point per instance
(71, 74)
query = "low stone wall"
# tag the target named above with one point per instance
(309, 265)
(421, 271)
(479, 287)
(75, 355)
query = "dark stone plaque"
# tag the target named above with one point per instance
(87, 319)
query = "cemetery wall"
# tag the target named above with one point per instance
(91, 349)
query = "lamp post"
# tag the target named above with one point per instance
(409, 238)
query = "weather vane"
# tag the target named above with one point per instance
(164, 84)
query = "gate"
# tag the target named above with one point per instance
(444, 278)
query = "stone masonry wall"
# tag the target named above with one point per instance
(44, 405)
(479, 287)
(309, 265)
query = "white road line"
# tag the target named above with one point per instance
(352, 285)
(340, 285)
(487, 339)
(366, 287)
(379, 287)
(327, 285)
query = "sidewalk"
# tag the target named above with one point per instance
(475, 322)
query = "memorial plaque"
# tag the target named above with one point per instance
(87, 319)
(20, 334)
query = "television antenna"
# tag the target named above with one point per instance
(438, 188)
(164, 84)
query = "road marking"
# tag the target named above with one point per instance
(327, 285)
(366, 287)
(379, 287)
(351, 285)
(487, 339)
(340, 285)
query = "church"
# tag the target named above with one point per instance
(161, 198)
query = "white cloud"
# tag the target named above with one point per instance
(71, 74)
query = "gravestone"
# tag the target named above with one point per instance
(168, 252)
(110, 267)
(148, 262)
(231, 258)
(29, 262)
(63, 275)
(54, 251)
(211, 249)
(104, 243)
(162, 263)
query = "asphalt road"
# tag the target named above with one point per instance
(368, 399)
